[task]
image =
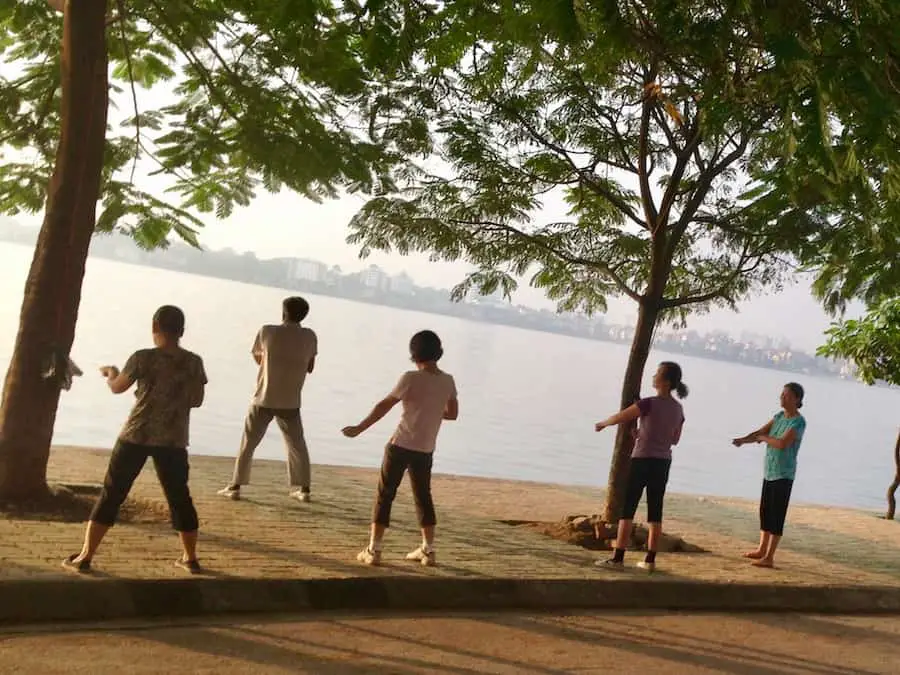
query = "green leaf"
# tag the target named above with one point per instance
(257, 96)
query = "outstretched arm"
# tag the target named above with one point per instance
(630, 414)
(382, 408)
(754, 436)
(118, 382)
(779, 443)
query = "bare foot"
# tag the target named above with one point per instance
(754, 555)
(764, 562)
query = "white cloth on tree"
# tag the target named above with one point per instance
(63, 369)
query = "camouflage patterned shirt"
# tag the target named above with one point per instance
(169, 384)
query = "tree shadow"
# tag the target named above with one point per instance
(457, 651)
(692, 650)
(15, 571)
(832, 627)
(289, 653)
(294, 556)
(313, 508)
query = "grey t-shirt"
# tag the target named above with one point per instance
(661, 419)
(285, 352)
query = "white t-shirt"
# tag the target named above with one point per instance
(424, 397)
(286, 352)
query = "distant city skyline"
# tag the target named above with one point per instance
(374, 285)
(285, 225)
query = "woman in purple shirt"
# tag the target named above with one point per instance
(662, 419)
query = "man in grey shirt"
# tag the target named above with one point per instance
(286, 353)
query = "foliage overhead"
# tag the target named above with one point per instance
(255, 95)
(701, 149)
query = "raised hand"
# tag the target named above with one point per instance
(109, 372)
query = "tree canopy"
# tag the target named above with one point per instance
(864, 266)
(701, 150)
(253, 96)
(741, 132)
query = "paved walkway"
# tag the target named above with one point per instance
(468, 644)
(267, 535)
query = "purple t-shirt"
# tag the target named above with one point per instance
(661, 418)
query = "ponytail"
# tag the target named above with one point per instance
(673, 376)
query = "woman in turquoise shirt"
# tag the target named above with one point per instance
(782, 436)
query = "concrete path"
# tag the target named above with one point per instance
(268, 536)
(462, 644)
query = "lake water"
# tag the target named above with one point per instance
(528, 400)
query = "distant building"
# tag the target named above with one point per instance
(402, 284)
(375, 278)
(495, 299)
(307, 270)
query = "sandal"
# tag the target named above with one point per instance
(81, 567)
(192, 566)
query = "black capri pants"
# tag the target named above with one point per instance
(172, 469)
(773, 505)
(651, 473)
(396, 462)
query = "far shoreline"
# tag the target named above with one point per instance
(385, 302)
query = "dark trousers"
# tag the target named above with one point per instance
(172, 469)
(653, 474)
(773, 505)
(396, 462)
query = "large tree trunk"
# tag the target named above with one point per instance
(892, 502)
(53, 289)
(648, 313)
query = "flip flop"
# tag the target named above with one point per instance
(80, 567)
(192, 566)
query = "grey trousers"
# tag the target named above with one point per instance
(258, 420)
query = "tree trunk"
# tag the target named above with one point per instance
(892, 502)
(53, 289)
(648, 313)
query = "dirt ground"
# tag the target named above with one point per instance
(462, 644)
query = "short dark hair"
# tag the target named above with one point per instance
(425, 346)
(796, 390)
(169, 319)
(295, 308)
(673, 375)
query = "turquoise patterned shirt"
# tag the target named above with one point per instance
(781, 464)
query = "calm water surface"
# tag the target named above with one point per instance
(528, 400)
